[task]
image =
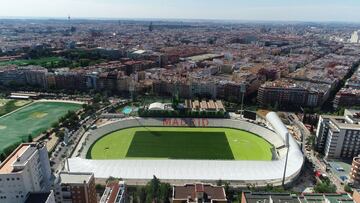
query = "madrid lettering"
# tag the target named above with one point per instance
(196, 122)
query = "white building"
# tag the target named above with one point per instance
(339, 136)
(355, 37)
(26, 170)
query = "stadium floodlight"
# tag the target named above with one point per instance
(286, 158)
(243, 91)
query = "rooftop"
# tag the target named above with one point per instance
(75, 178)
(189, 191)
(258, 197)
(16, 158)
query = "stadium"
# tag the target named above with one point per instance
(194, 149)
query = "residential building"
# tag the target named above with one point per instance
(40, 197)
(115, 192)
(327, 197)
(339, 136)
(12, 76)
(347, 97)
(355, 37)
(355, 171)
(293, 93)
(256, 197)
(356, 195)
(75, 188)
(25, 170)
(198, 193)
(36, 76)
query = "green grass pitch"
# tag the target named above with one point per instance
(181, 143)
(31, 120)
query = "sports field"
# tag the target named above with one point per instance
(181, 143)
(31, 120)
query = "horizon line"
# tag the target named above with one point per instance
(174, 19)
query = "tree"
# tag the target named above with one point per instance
(165, 192)
(325, 187)
(219, 182)
(55, 125)
(30, 139)
(110, 179)
(141, 192)
(99, 187)
(153, 189)
(60, 134)
(348, 189)
(175, 101)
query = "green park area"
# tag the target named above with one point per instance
(181, 143)
(45, 61)
(9, 105)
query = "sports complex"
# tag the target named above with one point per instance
(194, 149)
(31, 119)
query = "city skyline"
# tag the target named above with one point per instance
(258, 10)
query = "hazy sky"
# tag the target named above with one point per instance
(301, 10)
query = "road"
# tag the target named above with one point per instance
(62, 152)
(316, 161)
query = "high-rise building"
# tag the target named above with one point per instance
(26, 170)
(339, 136)
(355, 37)
(75, 188)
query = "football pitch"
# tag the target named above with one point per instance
(181, 143)
(31, 120)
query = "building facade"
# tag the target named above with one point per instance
(355, 171)
(339, 136)
(26, 170)
(75, 188)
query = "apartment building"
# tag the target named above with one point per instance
(36, 76)
(339, 136)
(355, 171)
(347, 97)
(11, 75)
(26, 170)
(75, 188)
(293, 93)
